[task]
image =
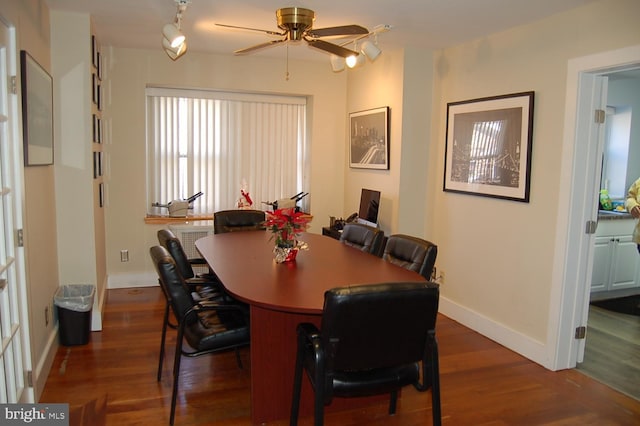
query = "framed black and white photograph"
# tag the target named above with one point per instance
(488, 146)
(37, 112)
(369, 139)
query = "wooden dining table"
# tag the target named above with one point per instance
(282, 295)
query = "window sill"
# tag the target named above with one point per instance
(163, 220)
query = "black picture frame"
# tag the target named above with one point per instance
(488, 146)
(369, 139)
(37, 112)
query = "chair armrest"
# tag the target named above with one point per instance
(308, 330)
(197, 261)
(199, 281)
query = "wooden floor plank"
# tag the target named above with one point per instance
(482, 382)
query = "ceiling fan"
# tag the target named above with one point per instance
(296, 24)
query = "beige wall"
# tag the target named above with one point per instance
(498, 255)
(130, 70)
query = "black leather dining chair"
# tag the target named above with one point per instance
(363, 237)
(203, 327)
(238, 220)
(206, 285)
(372, 340)
(411, 253)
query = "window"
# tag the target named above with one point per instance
(213, 142)
(616, 151)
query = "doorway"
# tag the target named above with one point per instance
(577, 206)
(611, 340)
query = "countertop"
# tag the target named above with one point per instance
(613, 215)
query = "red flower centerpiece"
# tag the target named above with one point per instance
(287, 225)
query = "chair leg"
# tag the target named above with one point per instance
(318, 404)
(393, 401)
(297, 388)
(435, 385)
(176, 375)
(164, 335)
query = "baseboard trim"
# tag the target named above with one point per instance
(43, 368)
(507, 337)
(140, 279)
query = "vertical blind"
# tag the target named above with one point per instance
(214, 142)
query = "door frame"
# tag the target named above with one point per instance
(573, 259)
(14, 218)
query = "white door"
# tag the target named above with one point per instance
(15, 358)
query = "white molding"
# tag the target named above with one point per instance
(500, 333)
(43, 368)
(133, 280)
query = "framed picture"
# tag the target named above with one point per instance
(369, 139)
(94, 51)
(488, 146)
(37, 112)
(101, 194)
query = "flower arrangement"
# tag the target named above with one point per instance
(286, 225)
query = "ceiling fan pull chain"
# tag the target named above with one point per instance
(286, 77)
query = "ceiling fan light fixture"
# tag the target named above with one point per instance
(370, 50)
(172, 33)
(337, 63)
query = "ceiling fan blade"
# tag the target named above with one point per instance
(338, 31)
(252, 29)
(331, 48)
(258, 46)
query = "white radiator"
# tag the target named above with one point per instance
(188, 234)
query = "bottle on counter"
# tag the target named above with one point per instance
(605, 200)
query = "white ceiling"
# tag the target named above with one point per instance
(418, 23)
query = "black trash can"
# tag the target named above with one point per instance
(74, 303)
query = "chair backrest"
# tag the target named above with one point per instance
(411, 253)
(169, 241)
(238, 220)
(172, 282)
(378, 325)
(363, 237)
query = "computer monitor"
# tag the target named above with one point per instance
(369, 205)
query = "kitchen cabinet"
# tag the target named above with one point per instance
(616, 263)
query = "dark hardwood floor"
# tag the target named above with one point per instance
(482, 382)
(612, 350)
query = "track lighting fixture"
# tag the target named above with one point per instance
(174, 41)
(368, 49)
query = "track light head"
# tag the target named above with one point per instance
(370, 50)
(337, 63)
(173, 35)
(354, 60)
(174, 52)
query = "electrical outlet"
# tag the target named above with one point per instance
(124, 255)
(441, 277)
